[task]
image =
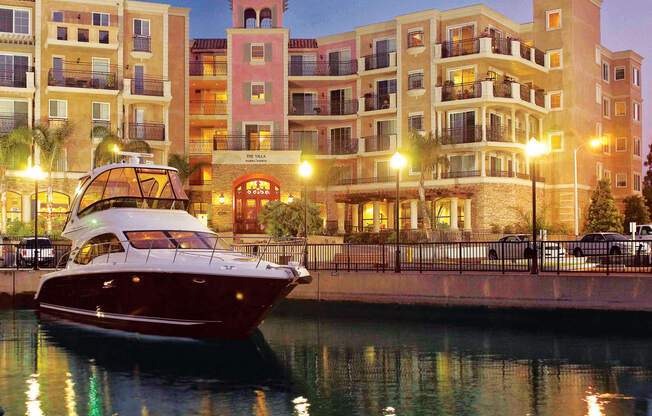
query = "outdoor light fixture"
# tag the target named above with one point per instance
(593, 143)
(398, 162)
(290, 199)
(534, 148)
(305, 170)
(220, 199)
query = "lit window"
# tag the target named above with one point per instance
(555, 101)
(621, 144)
(257, 52)
(58, 109)
(556, 141)
(621, 180)
(636, 76)
(619, 73)
(606, 144)
(415, 39)
(257, 91)
(606, 107)
(637, 111)
(620, 108)
(553, 19)
(605, 72)
(637, 182)
(555, 59)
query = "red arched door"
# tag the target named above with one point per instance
(251, 196)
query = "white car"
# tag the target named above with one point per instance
(519, 246)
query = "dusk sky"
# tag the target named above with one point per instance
(626, 24)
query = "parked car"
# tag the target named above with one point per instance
(519, 246)
(26, 250)
(602, 244)
(644, 232)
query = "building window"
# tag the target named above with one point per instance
(101, 19)
(598, 170)
(257, 52)
(556, 141)
(621, 180)
(257, 92)
(58, 109)
(415, 81)
(606, 144)
(103, 36)
(621, 144)
(62, 33)
(598, 93)
(553, 19)
(555, 59)
(82, 35)
(637, 111)
(415, 122)
(101, 111)
(637, 147)
(620, 108)
(14, 21)
(637, 182)
(606, 107)
(57, 16)
(382, 169)
(619, 73)
(415, 38)
(556, 100)
(636, 76)
(605, 72)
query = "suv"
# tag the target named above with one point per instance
(603, 244)
(25, 252)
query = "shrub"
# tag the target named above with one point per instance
(287, 220)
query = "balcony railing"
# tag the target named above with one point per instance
(460, 47)
(501, 46)
(344, 147)
(525, 92)
(151, 87)
(463, 91)
(16, 77)
(252, 142)
(321, 145)
(503, 89)
(142, 44)
(323, 108)
(308, 69)
(208, 107)
(362, 181)
(460, 174)
(207, 69)
(11, 121)
(380, 143)
(373, 102)
(99, 128)
(147, 131)
(539, 98)
(461, 135)
(521, 136)
(415, 81)
(498, 134)
(378, 61)
(82, 79)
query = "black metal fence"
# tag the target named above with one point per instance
(18, 256)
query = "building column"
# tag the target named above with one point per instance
(467, 214)
(484, 123)
(513, 132)
(354, 218)
(27, 213)
(483, 170)
(439, 123)
(376, 216)
(390, 215)
(527, 127)
(454, 213)
(414, 214)
(514, 167)
(341, 215)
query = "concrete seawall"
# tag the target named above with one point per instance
(575, 291)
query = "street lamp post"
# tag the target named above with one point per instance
(534, 149)
(398, 162)
(594, 143)
(305, 170)
(35, 173)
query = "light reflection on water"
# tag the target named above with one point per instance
(322, 366)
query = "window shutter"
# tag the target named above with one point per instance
(246, 91)
(240, 16)
(274, 14)
(246, 51)
(268, 52)
(268, 92)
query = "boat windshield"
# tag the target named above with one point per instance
(175, 239)
(128, 187)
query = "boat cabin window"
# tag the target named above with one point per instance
(128, 187)
(172, 239)
(98, 246)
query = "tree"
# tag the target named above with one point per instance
(287, 220)
(109, 140)
(14, 148)
(426, 154)
(603, 215)
(183, 166)
(326, 174)
(635, 211)
(647, 180)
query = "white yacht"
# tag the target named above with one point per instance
(139, 262)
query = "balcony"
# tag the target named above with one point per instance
(207, 69)
(11, 121)
(208, 108)
(82, 79)
(99, 128)
(494, 173)
(463, 91)
(322, 145)
(364, 181)
(461, 135)
(151, 87)
(322, 108)
(381, 143)
(253, 142)
(460, 174)
(385, 103)
(142, 44)
(76, 29)
(17, 77)
(147, 131)
(460, 48)
(378, 61)
(200, 146)
(323, 69)
(504, 90)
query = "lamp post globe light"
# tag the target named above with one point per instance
(305, 170)
(397, 162)
(534, 149)
(35, 172)
(593, 143)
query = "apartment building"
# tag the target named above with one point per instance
(116, 64)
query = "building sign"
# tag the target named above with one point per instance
(269, 157)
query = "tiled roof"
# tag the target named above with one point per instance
(209, 44)
(302, 44)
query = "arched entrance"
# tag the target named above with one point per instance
(251, 195)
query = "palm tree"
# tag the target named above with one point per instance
(327, 172)
(183, 166)
(14, 147)
(51, 143)
(109, 140)
(426, 154)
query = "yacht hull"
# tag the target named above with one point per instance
(168, 304)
